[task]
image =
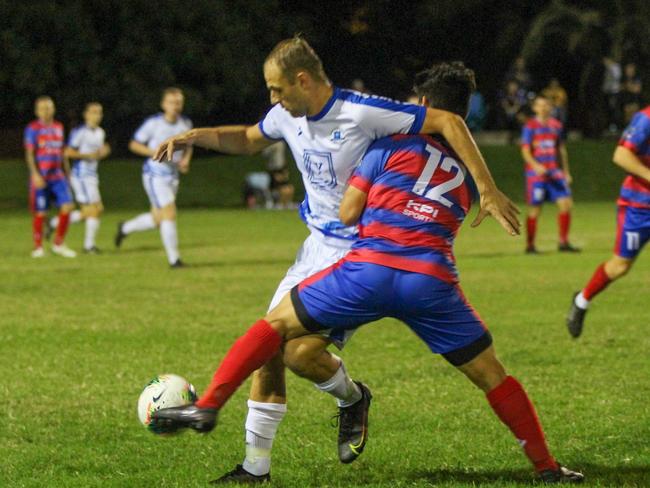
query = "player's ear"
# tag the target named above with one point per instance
(303, 80)
(424, 101)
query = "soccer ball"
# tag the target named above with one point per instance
(164, 391)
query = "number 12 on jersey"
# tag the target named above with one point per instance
(436, 193)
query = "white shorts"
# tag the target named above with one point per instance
(316, 253)
(86, 189)
(161, 190)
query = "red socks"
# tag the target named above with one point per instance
(250, 352)
(563, 223)
(511, 404)
(531, 230)
(597, 283)
(37, 230)
(62, 228)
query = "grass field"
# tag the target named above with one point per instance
(79, 339)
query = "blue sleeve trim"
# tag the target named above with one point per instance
(261, 126)
(378, 102)
(420, 116)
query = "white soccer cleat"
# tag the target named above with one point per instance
(39, 252)
(64, 251)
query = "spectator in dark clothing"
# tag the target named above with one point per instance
(631, 92)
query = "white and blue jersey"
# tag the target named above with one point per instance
(86, 140)
(153, 132)
(328, 146)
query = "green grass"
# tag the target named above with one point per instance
(80, 338)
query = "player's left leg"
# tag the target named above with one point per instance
(91, 214)
(633, 232)
(169, 234)
(512, 405)
(564, 207)
(449, 325)
(63, 196)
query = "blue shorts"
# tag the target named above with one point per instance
(58, 190)
(633, 231)
(540, 189)
(349, 294)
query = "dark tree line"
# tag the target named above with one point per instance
(123, 53)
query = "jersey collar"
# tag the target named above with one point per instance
(327, 107)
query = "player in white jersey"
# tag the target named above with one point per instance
(160, 178)
(328, 130)
(87, 146)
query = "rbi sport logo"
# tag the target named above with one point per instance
(420, 211)
(320, 168)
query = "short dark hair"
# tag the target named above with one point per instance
(294, 55)
(447, 86)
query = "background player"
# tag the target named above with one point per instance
(633, 218)
(328, 130)
(160, 179)
(43, 142)
(87, 146)
(542, 145)
(416, 195)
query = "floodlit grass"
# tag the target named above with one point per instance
(80, 338)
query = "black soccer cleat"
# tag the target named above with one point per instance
(119, 235)
(184, 417)
(560, 475)
(567, 247)
(178, 264)
(531, 250)
(575, 318)
(353, 426)
(241, 476)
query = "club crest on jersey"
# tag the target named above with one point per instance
(337, 136)
(320, 169)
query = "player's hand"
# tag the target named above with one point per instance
(38, 181)
(166, 150)
(104, 151)
(539, 170)
(499, 206)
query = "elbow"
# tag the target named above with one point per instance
(133, 146)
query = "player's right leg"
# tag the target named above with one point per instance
(38, 204)
(169, 234)
(64, 201)
(633, 232)
(91, 214)
(535, 196)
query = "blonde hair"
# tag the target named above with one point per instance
(294, 55)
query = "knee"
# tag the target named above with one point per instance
(534, 211)
(565, 205)
(66, 208)
(615, 268)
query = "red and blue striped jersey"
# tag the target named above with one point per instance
(635, 191)
(419, 193)
(46, 140)
(543, 139)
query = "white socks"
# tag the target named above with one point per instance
(75, 216)
(581, 301)
(341, 386)
(140, 223)
(261, 426)
(92, 226)
(169, 237)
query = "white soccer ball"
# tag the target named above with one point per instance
(164, 391)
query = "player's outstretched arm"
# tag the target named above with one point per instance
(230, 139)
(493, 202)
(630, 162)
(140, 149)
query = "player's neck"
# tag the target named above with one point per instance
(171, 118)
(46, 121)
(543, 120)
(323, 94)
